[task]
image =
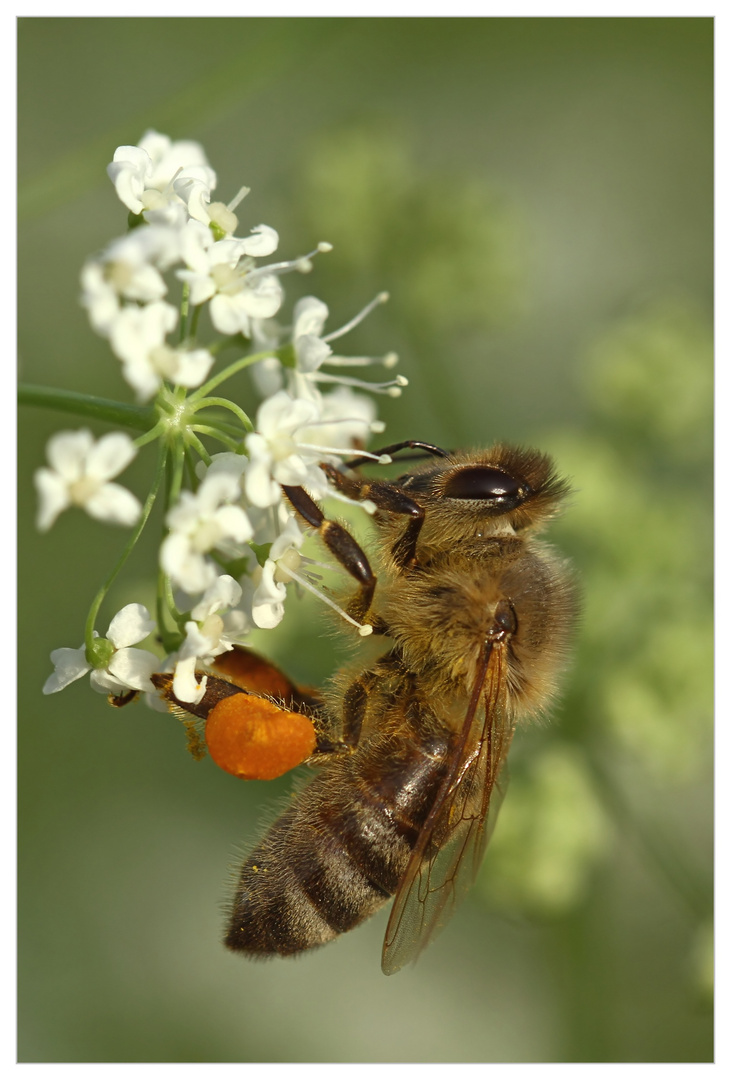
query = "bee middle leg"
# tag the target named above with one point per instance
(344, 736)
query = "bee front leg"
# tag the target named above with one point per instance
(386, 497)
(346, 550)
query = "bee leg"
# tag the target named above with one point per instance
(343, 737)
(246, 669)
(342, 545)
(389, 498)
(247, 735)
(354, 709)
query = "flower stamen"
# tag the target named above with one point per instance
(364, 629)
(392, 389)
(301, 265)
(380, 299)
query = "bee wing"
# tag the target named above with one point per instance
(451, 845)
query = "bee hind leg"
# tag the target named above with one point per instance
(246, 669)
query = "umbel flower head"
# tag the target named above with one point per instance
(232, 546)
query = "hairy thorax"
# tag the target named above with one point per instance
(442, 612)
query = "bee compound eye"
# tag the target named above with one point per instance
(483, 482)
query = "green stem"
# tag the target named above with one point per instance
(150, 436)
(194, 322)
(232, 369)
(166, 606)
(224, 403)
(219, 427)
(215, 433)
(195, 443)
(184, 309)
(191, 460)
(137, 417)
(176, 480)
(149, 503)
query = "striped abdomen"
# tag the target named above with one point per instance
(338, 853)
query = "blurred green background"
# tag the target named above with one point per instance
(536, 195)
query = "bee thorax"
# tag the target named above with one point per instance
(522, 603)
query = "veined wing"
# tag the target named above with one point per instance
(451, 845)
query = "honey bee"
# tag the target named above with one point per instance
(476, 613)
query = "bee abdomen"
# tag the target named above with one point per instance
(336, 855)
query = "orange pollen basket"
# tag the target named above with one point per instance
(256, 740)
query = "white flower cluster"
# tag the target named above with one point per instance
(232, 543)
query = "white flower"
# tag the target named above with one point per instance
(310, 316)
(268, 522)
(274, 453)
(126, 669)
(128, 269)
(271, 590)
(138, 338)
(198, 524)
(222, 271)
(195, 192)
(207, 635)
(79, 476)
(312, 351)
(266, 374)
(226, 462)
(143, 175)
(346, 420)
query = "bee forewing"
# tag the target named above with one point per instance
(451, 846)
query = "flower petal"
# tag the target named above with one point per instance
(268, 602)
(310, 315)
(225, 592)
(114, 504)
(263, 241)
(185, 687)
(70, 665)
(188, 569)
(130, 625)
(105, 683)
(192, 367)
(53, 497)
(312, 352)
(110, 456)
(133, 668)
(67, 452)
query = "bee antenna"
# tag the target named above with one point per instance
(408, 444)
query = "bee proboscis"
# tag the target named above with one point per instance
(476, 613)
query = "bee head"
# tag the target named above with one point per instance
(513, 485)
